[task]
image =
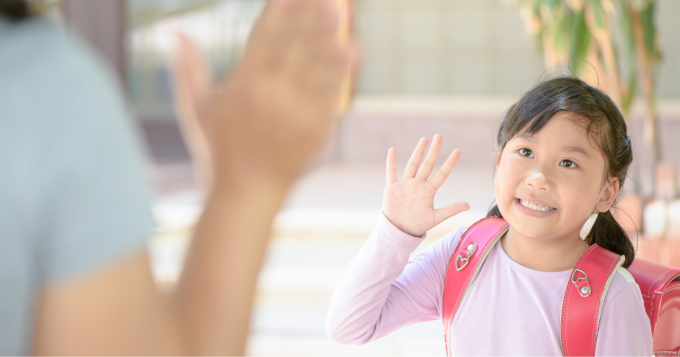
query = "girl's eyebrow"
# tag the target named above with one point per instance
(576, 149)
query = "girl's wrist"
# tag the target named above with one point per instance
(402, 228)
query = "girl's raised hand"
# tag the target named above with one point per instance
(409, 203)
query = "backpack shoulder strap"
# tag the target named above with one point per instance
(583, 300)
(467, 258)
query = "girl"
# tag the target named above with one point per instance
(563, 155)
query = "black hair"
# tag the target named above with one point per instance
(15, 10)
(535, 108)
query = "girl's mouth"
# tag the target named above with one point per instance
(534, 206)
(532, 209)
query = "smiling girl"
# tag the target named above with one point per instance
(563, 156)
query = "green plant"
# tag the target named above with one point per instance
(617, 37)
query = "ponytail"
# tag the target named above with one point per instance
(606, 232)
(494, 212)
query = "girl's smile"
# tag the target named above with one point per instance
(533, 208)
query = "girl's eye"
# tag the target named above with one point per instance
(568, 163)
(526, 152)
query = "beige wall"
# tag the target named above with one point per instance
(470, 47)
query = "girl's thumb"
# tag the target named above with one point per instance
(441, 214)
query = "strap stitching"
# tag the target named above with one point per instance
(597, 315)
(672, 288)
(462, 292)
(467, 281)
(567, 296)
(665, 276)
(446, 279)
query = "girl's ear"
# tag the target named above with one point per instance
(608, 194)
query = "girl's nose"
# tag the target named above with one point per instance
(538, 180)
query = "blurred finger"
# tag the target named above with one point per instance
(431, 158)
(191, 76)
(322, 42)
(442, 214)
(277, 32)
(392, 166)
(333, 79)
(444, 171)
(414, 161)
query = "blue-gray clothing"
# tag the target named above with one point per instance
(73, 194)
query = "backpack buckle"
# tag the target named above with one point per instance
(581, 282)
(471, 249)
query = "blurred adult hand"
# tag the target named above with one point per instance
(251, 136)
(276, 108)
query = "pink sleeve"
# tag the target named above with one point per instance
(383, 291)
(624, 326)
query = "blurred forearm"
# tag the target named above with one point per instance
(216, 290)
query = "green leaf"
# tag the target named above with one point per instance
(630, 95)
(628, 50)
(561, 30)
(552, 4)
(580, 41)
(598, 12)
(650, 36)
(639, 5)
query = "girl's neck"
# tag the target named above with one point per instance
(552, 255)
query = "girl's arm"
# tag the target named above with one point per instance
(383, 291)
(380, 292)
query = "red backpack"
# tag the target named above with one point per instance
(583, 298)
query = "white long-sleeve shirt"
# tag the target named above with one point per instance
(509, 309)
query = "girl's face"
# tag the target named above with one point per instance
(548, 183)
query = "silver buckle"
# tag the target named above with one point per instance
(584, 291)
(471, 249)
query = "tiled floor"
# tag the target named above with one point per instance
(327, 217)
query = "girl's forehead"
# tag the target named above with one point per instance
(561, 126)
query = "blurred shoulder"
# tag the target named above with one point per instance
(45, 63)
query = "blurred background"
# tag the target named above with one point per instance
(430, 66)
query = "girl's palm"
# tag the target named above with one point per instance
(409, 203)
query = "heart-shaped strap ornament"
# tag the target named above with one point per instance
(469, 251)
(580, 280)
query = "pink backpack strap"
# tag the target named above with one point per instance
(467, 258)
(584, 298)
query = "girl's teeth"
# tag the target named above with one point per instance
(533, 206)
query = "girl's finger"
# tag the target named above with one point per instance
(391, 166)
(444, 171)
(431, 158)
(414, 161)
(441, 214)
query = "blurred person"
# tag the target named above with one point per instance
(563, 154)
(74, 202)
